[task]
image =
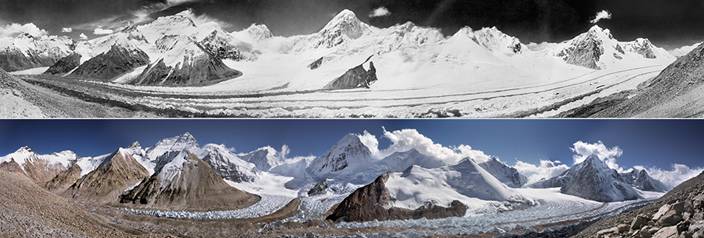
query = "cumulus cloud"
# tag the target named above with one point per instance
(407, 139)
(684, 50)
(582, 150)
(601, 15)
(675, 176)
(101, 31)
(467, 151)
(371, 142)
(14, 29)
(67, 30)
(544, 170)
(285, 151)
(380, 12)
(83, 36)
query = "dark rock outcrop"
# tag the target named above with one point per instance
(218, 47)
(640, 179)
(316, 64)
(357, 77)
(203, 70)
(65, 65)
(193, 187)
(319, 188)
(113, 63)
(368, 203)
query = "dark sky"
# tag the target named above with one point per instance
(651, 143)
(666, 22)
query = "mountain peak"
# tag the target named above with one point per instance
(24, 149)
(345, 23)
(600, 32)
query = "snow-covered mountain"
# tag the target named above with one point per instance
(185, 182)
(598, 49)
(227, 164)
(431, 193)
(504, 173)
(592, 179)
(27, 50)
(263, 158)
(117, 173)
(40, 167)
(348, 154)
(640, 179)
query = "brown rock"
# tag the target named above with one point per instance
(368, 203)
(196, 187)
(666, 232)
(113, 176)
(64, 180)
(639, 222)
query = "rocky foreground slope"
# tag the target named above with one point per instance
(680, 213)
(28, 210)
(675, 93)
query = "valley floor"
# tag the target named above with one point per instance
(549, 98)
(303, 216)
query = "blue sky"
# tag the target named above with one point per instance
(657, 143)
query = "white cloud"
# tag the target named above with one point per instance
(177, 2)
(285, 151)
(67, 30)
(601, 15)
(371, 142)
(101, 31)
(380, 12)
(582, 150)
(14, 29)
(684, 50)
(544, 170)
(467, 151)
(678, 174)
(83, 36)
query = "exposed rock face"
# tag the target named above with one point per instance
(368, 203)
(585, 52)
(643, 47)
(65, 65)
(113, 63)
(593, 180)
(218, 44)
(11, 166)
(319, 189)
(357, 77)
(507, 175)
(640, 179)
(187, 183)
(112, 177)
(64, 180)
(196, 71)
(316, 64)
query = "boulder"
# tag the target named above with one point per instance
(639, 222)
(667, 232)
(607, 232)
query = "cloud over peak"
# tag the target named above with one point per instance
(582, 150)
(380, 12)
(601, 15)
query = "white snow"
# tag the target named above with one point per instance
(25, 155)
(88, 164)
(32, 71)
(13, 105)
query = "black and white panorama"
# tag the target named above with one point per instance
(350, 59)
